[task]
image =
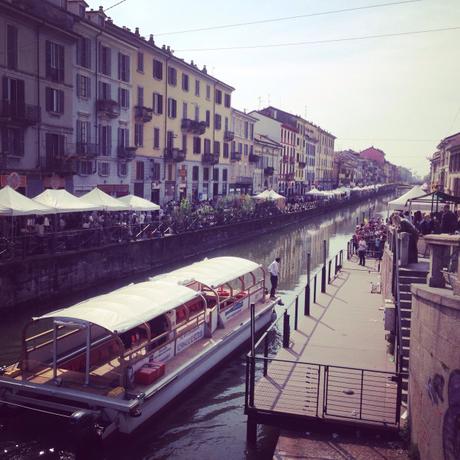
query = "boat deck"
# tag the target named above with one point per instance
(105, 379)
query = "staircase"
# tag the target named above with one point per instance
(407, 276)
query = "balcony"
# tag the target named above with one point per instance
(192, 126)
(229, 136)
(143, 114)
(108, 107)
(126, 153)
(87, 150)
(302, 164)
(253, 158)
(236, 156)
(290, 176)
(210, 158)
(59, 165)
(269, 171)
(19, 113)
(172, 154)
(285, 159)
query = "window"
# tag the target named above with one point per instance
(196, 144)
(54, 100)
(251, 132)
(170, 139)
(122, 169)
(226, 123)
(105, 140)
(217, 121)
(246, 149)
(224, 175)
(83, 86)
(157, 104)
(215, 175)
(83, 132)
(81, 10)
(184, 110)
(227, 100)
(225, 149)
(172, 76)
(207, 146)
(156, 171)
(217, 147)
(105, 60)
(195, 173)
(208, 118)
(157, 69)
(11, 47)
(85, 167)
(197, 87)
(84, 52)
(123, 98)
(103, 168)
(172, 108)
(240, 147)
(185, 82)
(105, 91)
(139, 170)
(184, 142)
(140, 62)
(123, 67)
(246, 130)
(123, 137)
(12, 141)
(138, 134)
(54, 145)
(54, 61)
(140, 96)
(156, 138)
(218, 96)
(197, 113)
(205, 174)
(208, 92)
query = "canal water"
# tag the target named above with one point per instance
(207, 422)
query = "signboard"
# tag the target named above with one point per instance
(164, 353)
(189, 338)
(236, 308)
(114, 189)
(14, 180)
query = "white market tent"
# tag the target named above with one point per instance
(136, 203)
(104, 201)
(315, 192)
(269, 195)
(126, 308)
(62, 201)
(12, 203)
(401, 203)
(211, 272)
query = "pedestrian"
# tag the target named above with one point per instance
(448, 221)
(274, 270)
(362, 248)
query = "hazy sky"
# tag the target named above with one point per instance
(401, 94)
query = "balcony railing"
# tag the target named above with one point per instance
(193, 126)
(236, 156)
(210, 158)
(302, 164)
(269, 171)
(229, 136)
(19, 113)
(86, 149)
(126, 153)
(108, 107)
(59, 165)
(253, 158)
(172, 154)
(143, 114)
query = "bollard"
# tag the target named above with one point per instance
(306, 310)
(296, 311)
(329, 273)
(336, 265)
(314, 287)
(286, 330)
(323, 270)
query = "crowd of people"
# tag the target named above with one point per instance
(369, 239)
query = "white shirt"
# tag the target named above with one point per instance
(274, 268)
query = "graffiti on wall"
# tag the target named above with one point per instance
(451, 422)
(435, 388)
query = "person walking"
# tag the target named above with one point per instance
(274, 270)
(362, 248)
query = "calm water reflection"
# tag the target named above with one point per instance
(208, 422)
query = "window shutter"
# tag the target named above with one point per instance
(128, 68)
(109, 139)
(88, 86)
(160, 104)
(61, 63)
(61, 144)
(48, 57)
(61, 101)
(49, 99)
(109, 61)
(88, 52)
(120, 66)
(78, 84)
(20, 142)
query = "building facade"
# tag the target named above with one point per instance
(445, 166)
(324, 166)
(267, 170)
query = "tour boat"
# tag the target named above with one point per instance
(113, 361)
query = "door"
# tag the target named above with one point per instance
(155, 196)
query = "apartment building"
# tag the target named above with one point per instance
(266, 173)
(324, 166)
(242, 156)
(36, 116)
(445, 166)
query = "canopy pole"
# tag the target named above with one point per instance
(54, 350)
(88, 353)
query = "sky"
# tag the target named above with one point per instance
(400, 93)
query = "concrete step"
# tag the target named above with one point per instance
(405, 385)
(405, 352)
(405, 322)
(404, 287)
(407, 304)
(412, 279)
(406, 341)
(405, 272)
(405, 313)
(405, 332)
(405, 295)
(405, 363)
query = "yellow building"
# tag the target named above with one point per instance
(181, 122)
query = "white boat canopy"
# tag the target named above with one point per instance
(128, 307)
(12, 203)
(137, 203)
(104, 201)
(401, 203)
(211, 272)
(62, 201)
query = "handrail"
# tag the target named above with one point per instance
(396, 256)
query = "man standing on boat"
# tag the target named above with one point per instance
(274, 270)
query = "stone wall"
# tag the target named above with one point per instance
(434, 374)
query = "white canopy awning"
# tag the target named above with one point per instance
(128, 307)
(104, 201)
(401, 203)
(12, 203)
(136, 203)
(63, 201)
(315, 191)
(211, 272)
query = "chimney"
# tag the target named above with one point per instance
(137, 32)
(204, 70)
(151, 41)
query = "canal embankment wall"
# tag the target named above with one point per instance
(47, 277)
